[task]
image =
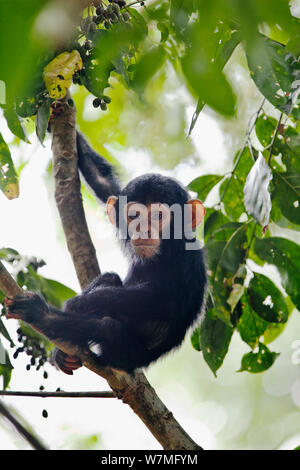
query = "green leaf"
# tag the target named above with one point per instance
(54, 292)
(139, 26)
(250, 325)
(8, 176)
(213, 220)
(257, 198)
(19, 56)
(219, 97)
(179, 15)
(42, 120)
(286, 193)
(27, 107)
(5, 371)
(258, 362)
(200, 106)
(285, 255)
(234, 250)
(265, 127)
(235, 295)
(14, 123)
(226, 44)
(228, 41)
(273, 331)
(204, 75)
(290, 150)
(146, 67)
(164, 31)
(275, 72)
(266, 299)
(232, 188)
(195, 339)
(111, 49)
(8, 254)
(204, 184)
(215, 337)
(226, 251)
(4, 332)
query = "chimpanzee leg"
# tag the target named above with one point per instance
(119, 346)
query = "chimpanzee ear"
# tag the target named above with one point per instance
(111, 209)
(197, 212)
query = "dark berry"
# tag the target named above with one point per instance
(88, 45)
(98, 19)
(45, 375)
(114, 18)
(45, 414)
(96, 102)
(42, 387)
(107, 99)
(99, 10)
(103, 106)
(115, 7)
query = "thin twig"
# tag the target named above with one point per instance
(249, 131)
(274, 138)
(251, 240)
(59, 394)
(28, 436)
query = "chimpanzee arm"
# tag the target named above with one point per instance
(103, 280)
(129, 302)
(96, 170)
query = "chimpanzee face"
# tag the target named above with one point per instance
(146, 225)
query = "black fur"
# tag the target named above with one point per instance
(131, 324)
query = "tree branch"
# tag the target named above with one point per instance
(7, 284)
(68, 196)
(58, 394)
(33, 440)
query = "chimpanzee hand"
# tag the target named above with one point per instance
(29, 307)
(64, 362)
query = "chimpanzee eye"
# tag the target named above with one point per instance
(132, 216)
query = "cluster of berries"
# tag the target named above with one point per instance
(33, 348)
(111, 14)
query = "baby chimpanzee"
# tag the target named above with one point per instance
(129, 325)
